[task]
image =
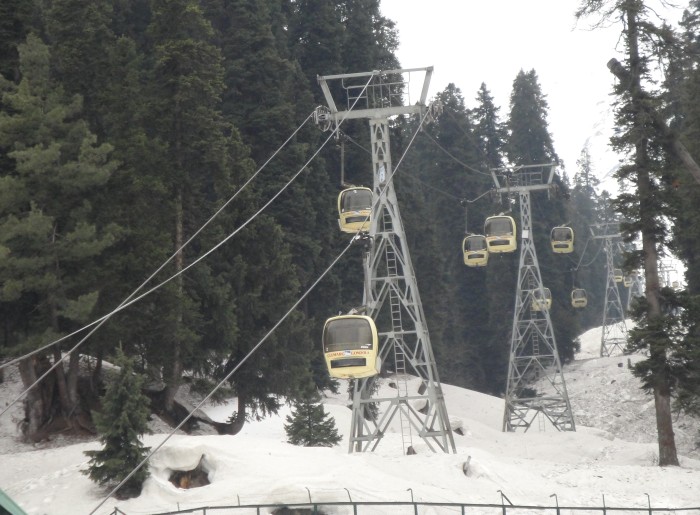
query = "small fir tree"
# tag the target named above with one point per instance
(309, 425)
(121, 423)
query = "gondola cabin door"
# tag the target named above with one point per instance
(350, 345)
(500, 234)
(562, 239)
(475, 251)
(355, 209)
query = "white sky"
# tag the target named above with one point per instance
(490, 41)
(611, 454)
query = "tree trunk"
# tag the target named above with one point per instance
(237, 424)
(59, 372)
(33, 402)
(72, 383)
(172, 377)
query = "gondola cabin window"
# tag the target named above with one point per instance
(500, 234)
(355, 209)
(350, 346)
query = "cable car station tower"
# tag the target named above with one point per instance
(614, 330)
(533, 349)
(391, 295)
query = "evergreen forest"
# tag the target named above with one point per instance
(165, 191)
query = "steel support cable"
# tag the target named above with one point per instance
(393, 172)
(593, 259)
(470, 168)
(165, 263)
(226, 378)
(259, 344)
(99, 322)
(469, 136)
(351, 140)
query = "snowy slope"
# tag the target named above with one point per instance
(612, 453)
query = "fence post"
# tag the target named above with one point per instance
(604, 509)
(648, 502)
(556, 499)
(415, 506)
(503, 497)
(354, 506)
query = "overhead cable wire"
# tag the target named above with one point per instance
(226, 378)
(594, 257)
(262, 340)
(465, 165)
(103, 319)
(413, 178)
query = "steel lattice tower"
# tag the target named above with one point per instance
(533, 348)
(391, 295)
(613, 336)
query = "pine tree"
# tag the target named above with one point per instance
(588, 271)
(443, 170)
(48, 227)
(15, 23)
(489, 131)
(192, 168)
(81, 46)
(309, 425)
(293, 236)
(681, 88)
(644, 206)
(530, 142)
(121, 423)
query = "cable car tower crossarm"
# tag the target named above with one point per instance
(391, 293)
(533, 349)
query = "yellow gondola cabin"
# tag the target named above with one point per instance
(627, 280)
(562, 239)
(538, 304)
(475, 251)
(579, 298)
(355, 209)
(350, 346)
(617, 275)
(500, 234)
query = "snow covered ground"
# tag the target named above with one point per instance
(612, 454)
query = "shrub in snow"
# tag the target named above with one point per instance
(309, 425)
(123, 420)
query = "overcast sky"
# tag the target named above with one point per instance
(474, 41)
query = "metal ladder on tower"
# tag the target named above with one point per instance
(399, 354)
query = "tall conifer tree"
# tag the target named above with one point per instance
(48, 230)
(643, 207)
(529, 142)
(192, 167)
